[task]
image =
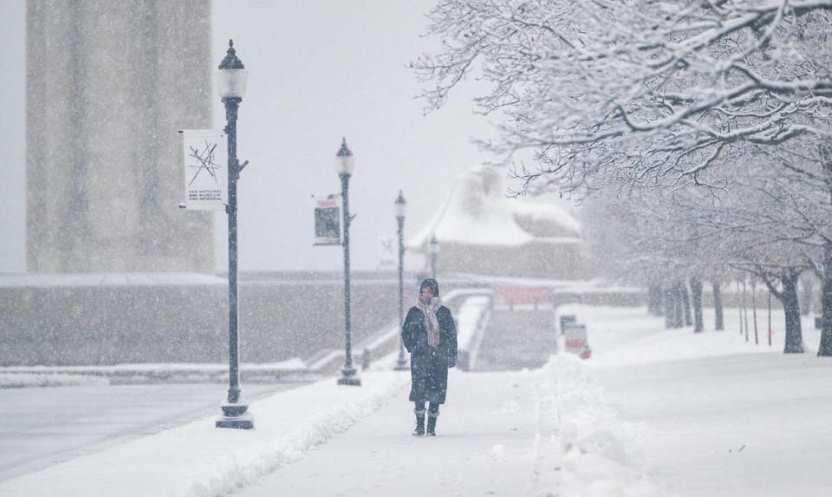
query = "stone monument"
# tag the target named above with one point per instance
(108, 84)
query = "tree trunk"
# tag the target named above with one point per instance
(678, 310)
(696, 292)
(667, 301)
(740, 301)
(683, 288)
(744, 309)
(654, 300)
(791, 306)
(807, 291)
(770, 331)
(754, 310)
(719, 317)
(825, 347)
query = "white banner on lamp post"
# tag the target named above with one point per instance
(205, 153)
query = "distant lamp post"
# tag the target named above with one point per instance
(344, 165)
(401, 210)
(231, 82)
(434, 254)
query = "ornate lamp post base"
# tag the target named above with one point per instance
(235, 416)
(349, 377)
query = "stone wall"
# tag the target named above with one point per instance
(536, 259)
(66, 321)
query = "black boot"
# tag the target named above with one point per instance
(432, 424)
(420, 423)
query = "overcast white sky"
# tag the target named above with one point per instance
(318, 70)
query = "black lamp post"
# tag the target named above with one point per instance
(232, 83)
(344, 165)
(401, 210)
(434, 254)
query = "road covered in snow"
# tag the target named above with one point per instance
(652, 413)
(55, 424)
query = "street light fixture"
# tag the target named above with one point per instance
(434, 254)
(344, 165)
(231, 83)
(401, 210)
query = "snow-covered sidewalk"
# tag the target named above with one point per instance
(526, 433)
(486, 436)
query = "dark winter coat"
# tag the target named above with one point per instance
(429, 365)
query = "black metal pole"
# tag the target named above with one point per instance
(433, 264)
(348, 376)
(345, 191)
(231, 108)
(234, 412)
(401, 363)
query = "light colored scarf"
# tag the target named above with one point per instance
(431, 323)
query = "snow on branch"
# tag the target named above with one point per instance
(654, 81)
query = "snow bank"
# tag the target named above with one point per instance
(292, 364)
(198, 460)
(20, 380)
(599, 454)
(24, 376)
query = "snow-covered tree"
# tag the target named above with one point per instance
(651, 88)
(597, 95)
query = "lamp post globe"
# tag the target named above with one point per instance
(232, 75)
(344, 160)
(434, 254)
(401, 207)
(401, 211)
(344, 165)
(231, 83)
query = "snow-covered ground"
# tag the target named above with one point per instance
(717, 415)
(46, 426)
(655, 412)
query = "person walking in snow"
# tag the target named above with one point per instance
(429, 335)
